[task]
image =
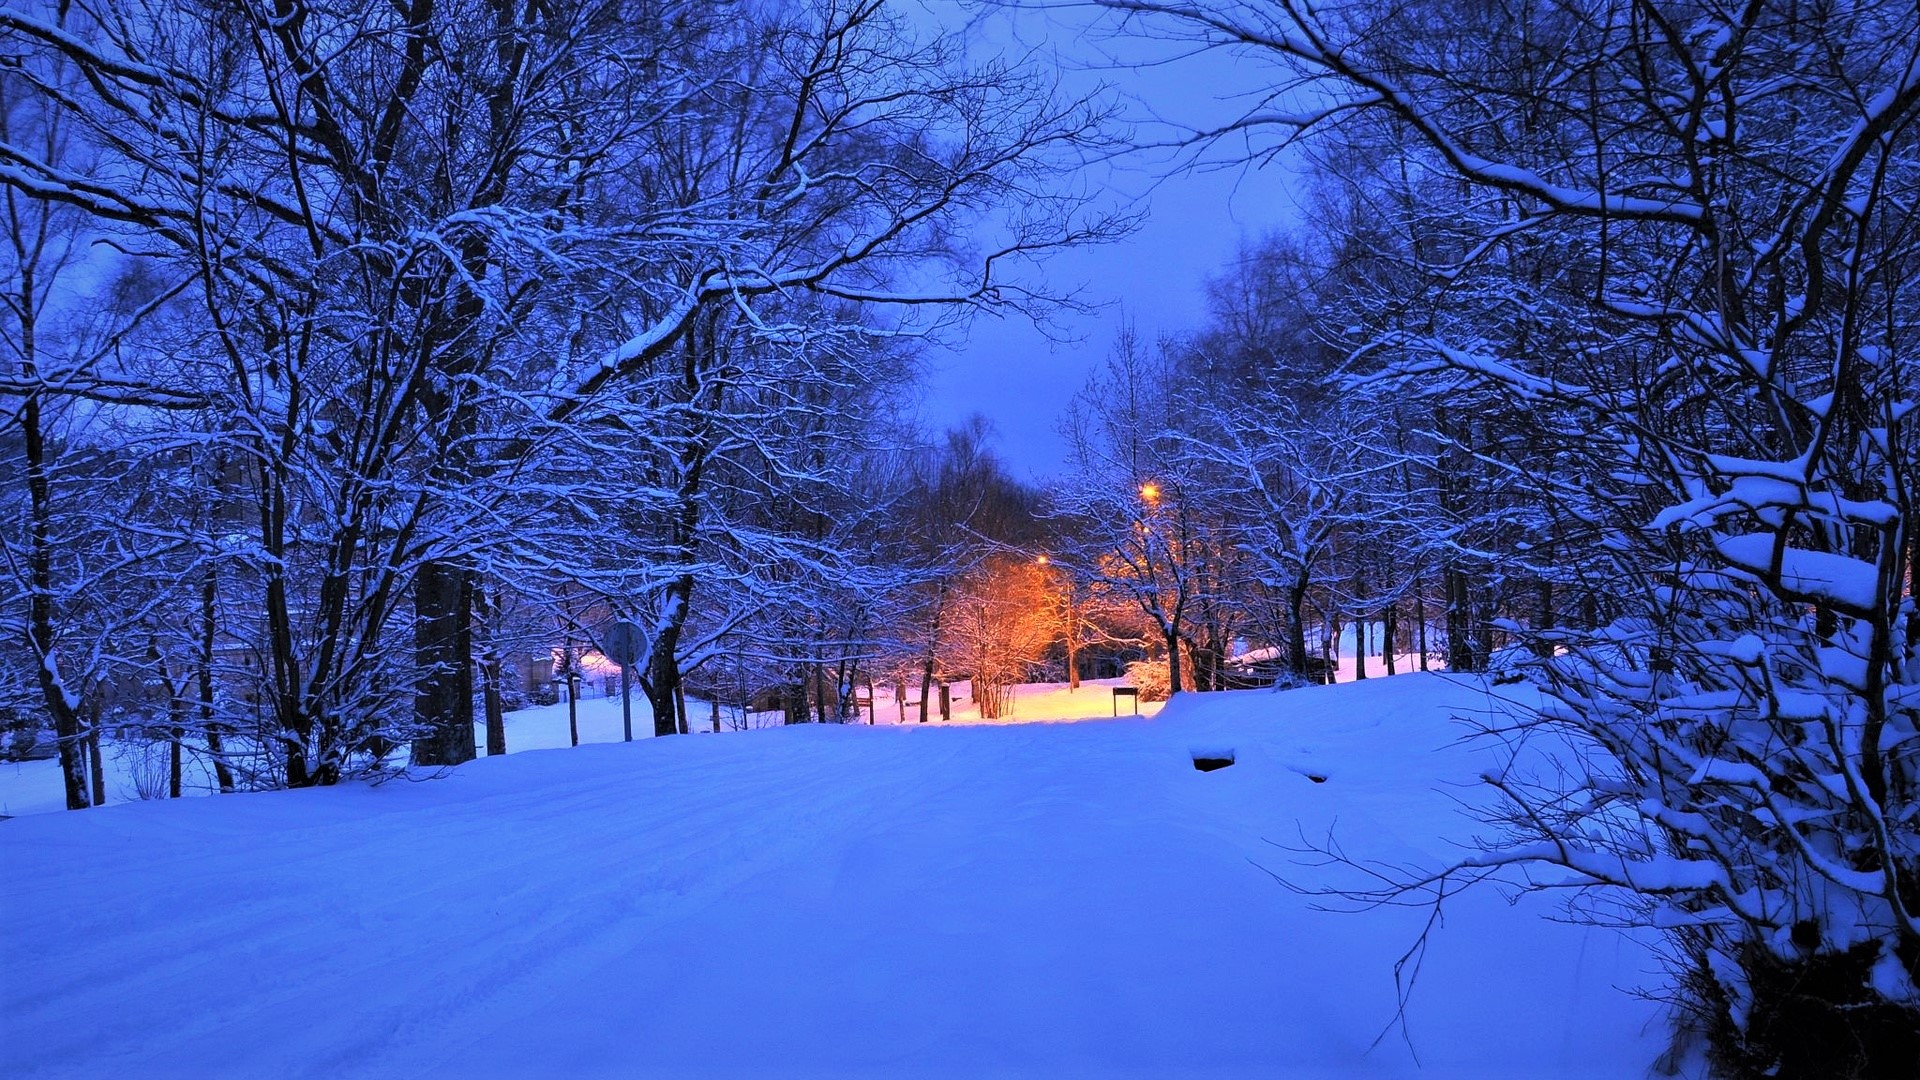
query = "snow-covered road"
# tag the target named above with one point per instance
(1045, 899)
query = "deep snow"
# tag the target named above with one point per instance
(1027, 899)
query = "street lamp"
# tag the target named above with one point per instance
(1150, 497)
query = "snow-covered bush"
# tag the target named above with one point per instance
(20, 734)
(1150, 678)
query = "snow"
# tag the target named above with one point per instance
(1028, 702)
(957, 899)
(137, 771)
(1839, 579)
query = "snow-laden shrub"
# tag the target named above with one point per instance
(1150, 678)
(20, 734)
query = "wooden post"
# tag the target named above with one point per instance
(946, 701)
(716, 713)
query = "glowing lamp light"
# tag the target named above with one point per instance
(1150, 491)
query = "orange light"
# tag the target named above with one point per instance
(1150, 491)
(1043, 560)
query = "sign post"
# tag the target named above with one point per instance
(625, 644)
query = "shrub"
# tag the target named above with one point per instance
(1150, 677)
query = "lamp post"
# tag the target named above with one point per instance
(1150, 500)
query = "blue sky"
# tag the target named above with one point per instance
(1195, 223)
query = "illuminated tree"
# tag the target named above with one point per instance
(1000, 621)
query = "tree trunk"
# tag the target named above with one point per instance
(443, 651)
(490, 676)
(1073, 644)
(72, 760)
(1330, 647)
(1390, 626)
(1542, 647)
(1459, 615)
(222, 772)
(294, 727)
(177, 713)
(1297, 627)
(660, 685)
(53, 692)
(933, 647)
(794, 701)
(1420, 618)
(1173, 663)
(1487, 603)
(492, 667)
(663, 663)
(99, 765)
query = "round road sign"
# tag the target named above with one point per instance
(625, 643)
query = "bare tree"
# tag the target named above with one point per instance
(999, 625)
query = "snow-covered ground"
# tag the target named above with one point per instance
(1044, 899)
(137, 771)
(1091, 700)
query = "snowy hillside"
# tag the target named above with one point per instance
(1040, 899)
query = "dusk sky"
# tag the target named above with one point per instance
(1155, 278)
